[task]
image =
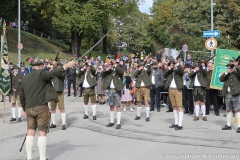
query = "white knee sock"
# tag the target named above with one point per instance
(19, 112)
(175, 112)
(139, 111)
(86, 109)
(197, 110)
(238, 118)
(53, 118)
(111, 116)
(14, 112)
(147, 111)
(203, 108)
(29, 146)
(180, 119)
(63, 116)
(42, 145)
(229, 118)
(118, 117)
(94, 109)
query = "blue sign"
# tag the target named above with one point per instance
(214, 33)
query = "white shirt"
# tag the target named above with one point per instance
(173, 84)
(142, 84)
(196, 82)
(153, 77)
(85, 82)
(112, 85)
(229, 90)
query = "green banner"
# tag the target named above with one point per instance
(222, 58)
(5, 80)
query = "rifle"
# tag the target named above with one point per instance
(206, 61)
(56, 58)
(178, 56)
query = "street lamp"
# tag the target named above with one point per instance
(19, 32)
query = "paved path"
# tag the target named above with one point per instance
(141, 140)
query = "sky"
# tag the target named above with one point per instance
(144, 7)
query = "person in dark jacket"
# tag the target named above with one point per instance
(35, 92)
(71, 77)
(58, 84)
(16, 78)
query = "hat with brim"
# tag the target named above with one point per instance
(15, 66)
(195, 65)
(230, 65)
(154, 63)
(37, 62)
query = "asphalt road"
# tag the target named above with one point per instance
(141, 140)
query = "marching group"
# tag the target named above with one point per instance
(120, 81)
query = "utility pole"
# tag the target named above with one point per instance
(19, 32)
(212, 51)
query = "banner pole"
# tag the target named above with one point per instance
(4, 108)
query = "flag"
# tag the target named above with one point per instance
(5, 80)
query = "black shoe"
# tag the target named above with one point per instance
(94, 118)
(85, 116)
(147, 119)
(238, 130)
(68, 95)
(207, 113)
(190, 113)
(137, 118)
(97, 102)
(64, 127)
(110, 125)
(75, 95)
(173, 126)
(186, 112)
(9, 100)
(13, 119)
(2, 100)
(169, 110)
(118, 126)
(20, 119)
(226, 127)
(217, 114)
(179, 128)
(52, 126)
(158, 110)
(80, 95)
(152, 109)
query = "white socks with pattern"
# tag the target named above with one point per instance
(175, 112)
(29, 146)
(42, 144)
(94, 109)
(118, 117)
(197, 108)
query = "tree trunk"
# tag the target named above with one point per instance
(76, 39)
(104, 49)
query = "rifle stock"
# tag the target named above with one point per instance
(149, 56)
(206, 61)
(56, 58)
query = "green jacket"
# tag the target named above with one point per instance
(231, 80)
(115, 75)
(36, 88)
(177, 74)
(58, 82)
(202, 78)
(144, 76)
(91, 76)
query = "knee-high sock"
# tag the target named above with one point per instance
(63, 116)
(86, 109)
(19, 112)
(53, 118)
(118, 117)
(42, 144)
(94, 109)
(147, 111)
(14, 112)
(238, 118)
(229, 118)
(180, 119)
(203, 108)
(111, 116)
(175, 112)
(139, 111)
(197, 110)
(29, 146)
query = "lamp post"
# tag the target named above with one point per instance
(212, 4)
(19, 32)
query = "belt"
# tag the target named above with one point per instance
(88, 88)
(112, 89)
(173, 88)
(144, 87)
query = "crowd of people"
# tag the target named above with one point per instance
(121, 81)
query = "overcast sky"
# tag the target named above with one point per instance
(144, 7)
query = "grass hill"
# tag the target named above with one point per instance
(35, 46)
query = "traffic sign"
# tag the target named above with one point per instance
(185, 48)
(211, 43)
(213, 33)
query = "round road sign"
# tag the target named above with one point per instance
(211, 43)
(185, 48)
